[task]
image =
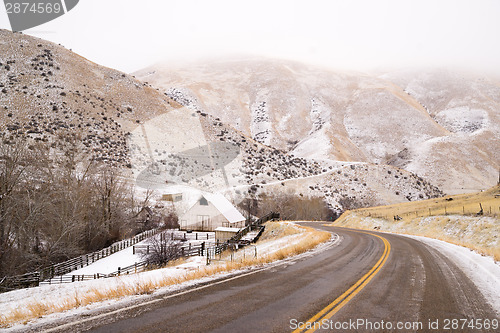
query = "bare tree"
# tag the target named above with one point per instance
(56, 204)
(162, 250)
(250, 206)
(295, 207)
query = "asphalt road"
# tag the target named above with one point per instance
(360, 284)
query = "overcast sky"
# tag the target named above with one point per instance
(355, 34)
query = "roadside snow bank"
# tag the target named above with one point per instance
(483, 271)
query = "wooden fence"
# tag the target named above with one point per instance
(135, 268)
(34, 278)
(58, 273)
(87, 259)
(469, 210)
(188, 250)
(234, 243)
(185, 236)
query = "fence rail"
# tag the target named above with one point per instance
(186, 250)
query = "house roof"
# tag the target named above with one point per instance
(225, 207)
(145, 209)
(226, 229)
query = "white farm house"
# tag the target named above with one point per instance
(210, 212)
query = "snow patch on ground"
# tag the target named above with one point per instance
(462, 119)
(317, 144)
(483, 271)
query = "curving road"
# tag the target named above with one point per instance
(364, 282)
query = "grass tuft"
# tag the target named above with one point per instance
(38, 309)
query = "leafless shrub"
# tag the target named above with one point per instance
(170, 220)
(161, 251)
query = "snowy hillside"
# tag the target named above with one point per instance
(51, 95)
(209, 140)
(440, 125)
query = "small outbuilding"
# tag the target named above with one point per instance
(146, 218)
(210, 212)
(223, 234)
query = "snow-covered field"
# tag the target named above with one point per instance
(126, 257)
(20, 300)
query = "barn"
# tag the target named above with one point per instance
(210, 212)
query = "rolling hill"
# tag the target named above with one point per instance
(441, 125)
(50, 95)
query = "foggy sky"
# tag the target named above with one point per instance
(354, 34)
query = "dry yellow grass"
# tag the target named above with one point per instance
(280, 229)
(441, 218)
(464, 204)
(38, 309)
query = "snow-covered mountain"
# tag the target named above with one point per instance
(52, 97)
(441, 125)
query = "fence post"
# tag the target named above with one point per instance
(119, 269)
(147, 249)
(133, 249)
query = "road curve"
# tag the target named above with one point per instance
(409, 287)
